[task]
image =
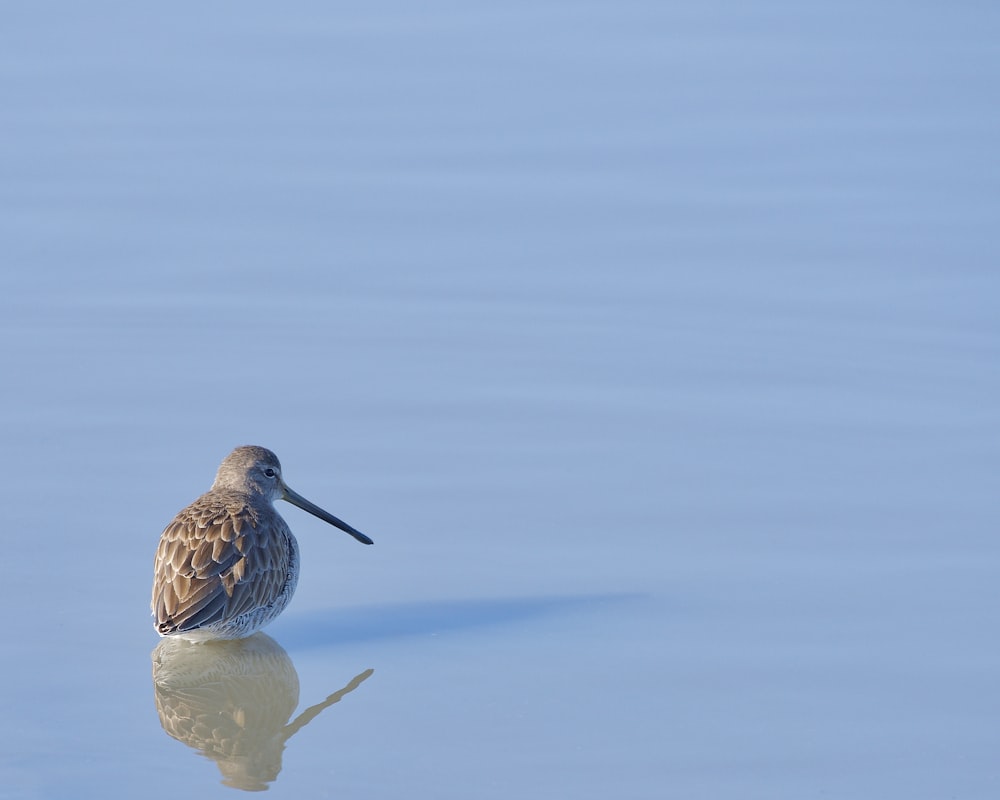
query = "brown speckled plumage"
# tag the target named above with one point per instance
(228, 563)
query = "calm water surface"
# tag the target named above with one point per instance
(655, 344)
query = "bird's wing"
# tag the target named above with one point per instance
(214, 564)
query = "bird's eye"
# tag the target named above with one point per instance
(270, 472)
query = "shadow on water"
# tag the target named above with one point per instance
(232, 701)
(367, 623)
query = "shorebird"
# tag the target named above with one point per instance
(228, 564)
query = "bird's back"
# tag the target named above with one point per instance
(224, 565)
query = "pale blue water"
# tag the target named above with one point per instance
(655, 344)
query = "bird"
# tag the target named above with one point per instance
(228, 564)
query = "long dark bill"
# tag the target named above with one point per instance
(298, 500)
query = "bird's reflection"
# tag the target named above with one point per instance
(232, 701)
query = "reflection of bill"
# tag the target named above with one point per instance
(232, 701)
